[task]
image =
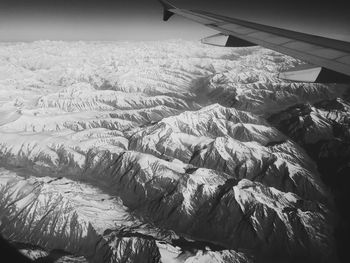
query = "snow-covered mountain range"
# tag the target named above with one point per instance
(168, 152)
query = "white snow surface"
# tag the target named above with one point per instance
(102, 140)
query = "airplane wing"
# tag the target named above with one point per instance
(329, 59)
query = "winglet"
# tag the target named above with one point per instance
(166, 7)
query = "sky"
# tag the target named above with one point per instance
(137, 20)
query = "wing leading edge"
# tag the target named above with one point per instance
(330, 54)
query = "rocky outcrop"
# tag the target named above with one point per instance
(323, 130)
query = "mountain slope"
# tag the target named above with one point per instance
(165, 152)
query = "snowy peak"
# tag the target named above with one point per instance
(161, 152)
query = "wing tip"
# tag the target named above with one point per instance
(166, 7)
